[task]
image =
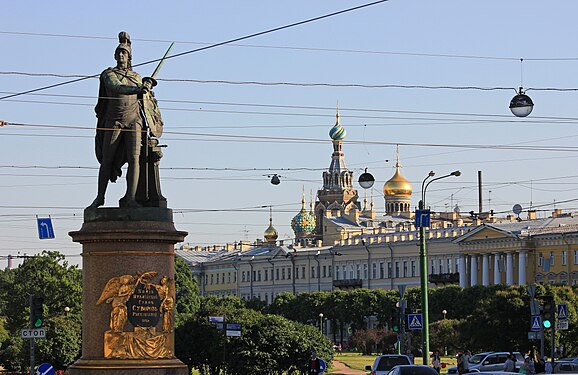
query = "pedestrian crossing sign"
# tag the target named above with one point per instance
(414, 321)
(536, 323)
(562, 312)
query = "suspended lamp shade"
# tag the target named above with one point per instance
(521, 105)
(366, 180)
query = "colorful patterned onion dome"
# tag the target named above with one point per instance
(397, 185)
(304, 222)
(337, 132)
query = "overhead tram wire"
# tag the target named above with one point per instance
(210, 46)
(417, 54)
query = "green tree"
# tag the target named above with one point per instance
(187, 290)
(50, 276)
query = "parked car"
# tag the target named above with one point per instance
(384, 363)
(412, 370)
(564, 367)
(489, 361)
(569, 359)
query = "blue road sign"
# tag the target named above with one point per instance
(322, 365)
(234, 326)
(216, 319)
(422, 218)
(563, 312)
(536, 323)
(45, 230)
(414, 321)
(45, 369)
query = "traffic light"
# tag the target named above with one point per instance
(395, 320)
(36, 311)
(548, 311)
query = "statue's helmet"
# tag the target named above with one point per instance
(124, 43)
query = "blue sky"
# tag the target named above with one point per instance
(48, 167)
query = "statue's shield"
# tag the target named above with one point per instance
(152, 114)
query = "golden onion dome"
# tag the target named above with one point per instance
(397, 185)
(271, 234)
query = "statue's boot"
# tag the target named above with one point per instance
(98, 201)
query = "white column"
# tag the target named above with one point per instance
(497, 274)
(474, 270)
(485, 269)
(462, 271)
(510, 268)
(522, 261)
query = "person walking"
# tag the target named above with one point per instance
(547, 366)
(510, 364)
(314, 364)
(436, 362)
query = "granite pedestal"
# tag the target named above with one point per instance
(118, 242)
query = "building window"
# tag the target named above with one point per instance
(289, 273)
(358, 271)
(235, 277)
(564, 257)
(329, 272)
(336, 272)
(441, 265)
(396, 269)
(552, 258)
(312, 272)
(449, 265)
(540, 259)
(432, 266)
(303, 272)
(283, 273)
(212, 278)
(405, 268)
(324, 271)
(266, 275)
(389, 271)
(217, 279)
(276, 273)
(413, 273)
(575, 256)
(259, 275)
(381, 270)
(254, 277)
(229, 277)
(351, 276)
(374, 270)
(243, 279)
(365, 271)
(206, 279)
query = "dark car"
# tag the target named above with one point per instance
(384, 363)
(412, 370)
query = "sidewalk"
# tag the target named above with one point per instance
(340, 368)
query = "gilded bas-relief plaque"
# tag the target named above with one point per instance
(136, 300)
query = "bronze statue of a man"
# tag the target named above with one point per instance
(120, 124)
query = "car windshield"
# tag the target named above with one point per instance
(386, 363)
(478, 358)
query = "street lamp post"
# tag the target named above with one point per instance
(423, 266)
(321, 322)
(444, 312)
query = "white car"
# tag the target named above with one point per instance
(384, 363)
(489, 361)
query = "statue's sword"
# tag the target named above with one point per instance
(158, 68)
(153, 82)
